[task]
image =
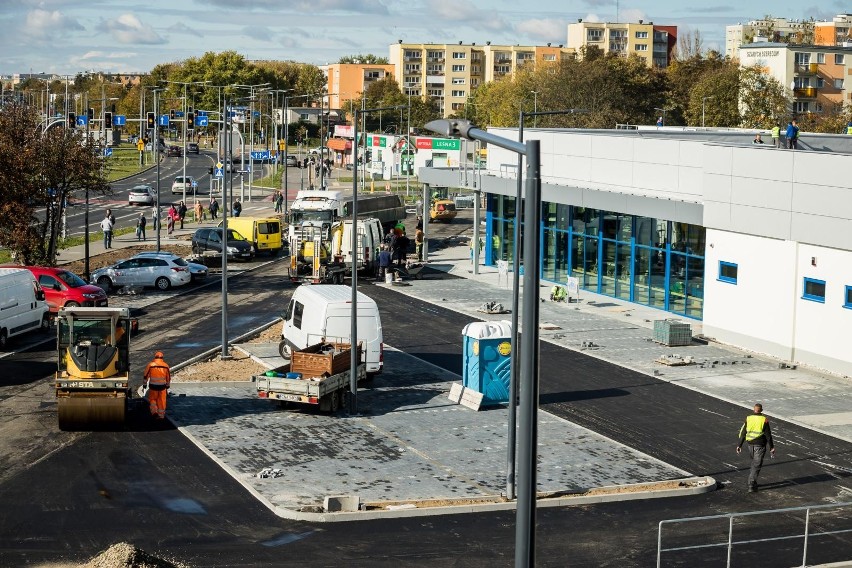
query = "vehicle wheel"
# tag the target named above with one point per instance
(163, 283)
(4, 339)
(284, 350)
(72, 305)
(45, 322)
(105, 283)
(335, 401)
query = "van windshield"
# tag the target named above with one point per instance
(71, 279)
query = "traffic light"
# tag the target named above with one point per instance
(172, 114)
(190, 120)
(151, 120)
(91, 115)
(72, 120)
(107, 120)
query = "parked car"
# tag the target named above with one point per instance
(197, 272)
(192, 148)
(210, 239)
(141, 195)
(160, 273)
(182, 184)
(65, 289)
(174, 151)
(326, 152)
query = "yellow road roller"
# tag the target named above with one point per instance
(93, 387)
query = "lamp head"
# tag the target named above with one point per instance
(451, 128)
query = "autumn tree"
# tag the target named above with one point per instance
(41, 171)
(365, 59)
(763, 99)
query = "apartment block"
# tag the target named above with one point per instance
(816, 73)
(772, 30)
(836, 32)
(450, 72)
(346, 81)
(653, 44)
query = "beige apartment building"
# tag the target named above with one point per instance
(653, 44)
(450, 72)
(346, 81)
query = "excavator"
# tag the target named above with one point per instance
(93, 385)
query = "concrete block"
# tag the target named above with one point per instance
(342, 503)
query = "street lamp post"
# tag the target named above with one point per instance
(703, 99)
(185, 125)
(531, 150)
(286, 143)
(535, 109)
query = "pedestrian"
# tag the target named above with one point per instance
(199, 211)
(419, 223)
(279, 202)
(385, 261)
(181, 213)
(792, 134)
(757, 139)
(140, 227)
(173, 215)
(402, 243)
(111, 217)
(418, 243)
(776, 135)
(106, 227)
(849, 128)
(159, 378)
(155, 218)
(237, 208)
(755, 430)
(214, 207)
(659, 121)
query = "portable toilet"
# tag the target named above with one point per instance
(487, 360)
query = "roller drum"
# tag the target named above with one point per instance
(76, 413)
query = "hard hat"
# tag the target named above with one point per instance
(158, 355)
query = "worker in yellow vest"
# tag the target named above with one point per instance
(776, 136)
(849, 128)
(756, 432)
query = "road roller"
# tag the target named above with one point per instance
(93, 386)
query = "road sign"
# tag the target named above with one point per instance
(119, 120)
(260, 155)
(201, 120)
(178, 114)
(107, 152)
(164, 120)
(219, 172)
(82, 120)
(140, 145)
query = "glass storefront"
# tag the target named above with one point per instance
(649, 261)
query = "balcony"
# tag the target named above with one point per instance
(807, 68)
(413, 57)
(435, 59)
(805, 92)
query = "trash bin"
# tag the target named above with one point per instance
(487, 349)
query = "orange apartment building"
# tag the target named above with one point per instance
(346, 81)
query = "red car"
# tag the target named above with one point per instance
(63, 288)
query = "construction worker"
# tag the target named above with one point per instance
(558, 294)
(159, 378)
(755, 430)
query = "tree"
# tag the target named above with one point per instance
(763, 101)
(714, 100)
(365, 59)
(40, 172)
(689, 45)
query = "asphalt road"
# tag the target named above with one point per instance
(68, 496)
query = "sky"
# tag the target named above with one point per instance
(126, 36)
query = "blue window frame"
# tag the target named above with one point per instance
(813, 290)
(727, 272)
(847, 298)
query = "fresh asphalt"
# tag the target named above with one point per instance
(155, 489)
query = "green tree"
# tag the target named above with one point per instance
(365, 59)
(40, 172)
(714, 100)
(763, 101)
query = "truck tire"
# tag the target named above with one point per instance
(4, 339)
(284, 350)
(335, 401)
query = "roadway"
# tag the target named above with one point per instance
(74, 494)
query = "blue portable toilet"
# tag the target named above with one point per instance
(487, 360)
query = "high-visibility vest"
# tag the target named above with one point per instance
(158, 373)
(776, 132)
(753, 427)
(849, 130)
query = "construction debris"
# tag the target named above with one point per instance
(269, 473)
(675, 360)
(493, 308)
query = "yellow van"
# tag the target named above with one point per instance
(443, 210)
(263, 232)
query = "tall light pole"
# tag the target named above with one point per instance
(286, 142)
(155, 146)
(528, 431)
(703, 99)
(535, 109)
(322, 141)
(185, 125)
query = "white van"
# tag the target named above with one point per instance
(322, 312)
(369, 241)
(22, 305)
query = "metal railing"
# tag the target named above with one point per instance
(805, 536)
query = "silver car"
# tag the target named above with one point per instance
(198, 272)
(141, 195)
(161, 273)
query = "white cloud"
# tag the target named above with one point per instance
(181, 28)
(127, 28)
(44, 23)
(544, 30)
(632, 15)
(308, 6)
(466, 12)
(260, 33)
(592, 18)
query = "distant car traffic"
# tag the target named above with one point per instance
(197, 271)
(174, 151)
(192, 148)
(184, 184)
(141, 195)
(210, 239)
(161, 273)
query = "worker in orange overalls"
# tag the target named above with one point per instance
(159, 378)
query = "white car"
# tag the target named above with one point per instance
(187, 183)
(161, 273)
(197, 271)
(141, 195)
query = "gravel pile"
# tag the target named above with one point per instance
(124, 555)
